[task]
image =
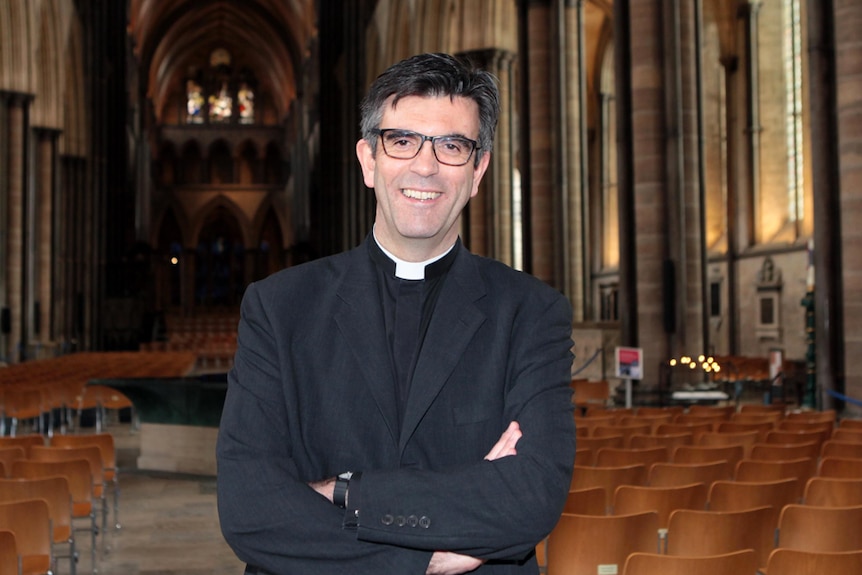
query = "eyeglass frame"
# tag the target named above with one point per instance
(380, 132)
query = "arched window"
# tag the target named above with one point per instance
(793, 73)
(194, 103)
(245, 95)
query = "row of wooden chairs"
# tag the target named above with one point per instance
(698, 542)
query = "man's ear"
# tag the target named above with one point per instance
(479, 172)
(366, 161)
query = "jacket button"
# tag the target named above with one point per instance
(387, 519)
(412, 521)
(399, 521)
(424, 522)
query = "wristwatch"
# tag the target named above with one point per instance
(339, 494)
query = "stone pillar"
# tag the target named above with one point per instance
(848, 74)
(15, 136)
(46, 167)
(540, 79)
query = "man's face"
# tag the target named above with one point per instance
(419, 201)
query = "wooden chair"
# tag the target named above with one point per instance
(712, 410)
(588, 501)
(90, 453)
(754, 417)
(30, 521)
(8, 554)
(733, 454)
(760, 409)
(850, 424)
(584, 456)
(24, 404)
(847, 434)
(833, 448)
(781, 451)
(841, 467)
(105, 443)
(586, 393)
(584, 544)
(746, 439)
(802, 425)
(670, 441)
(10, 454)
(695, 429)
(833, 492)
(829, 415)
(56, 493)
(590, 423)
(671, 474)
(784, 436)
(796, 562)
(727, 564)
(25, 441)
(813, 528)
(698, 419)
(695, 532)
(652, 420)
(802, 469)
(594, 444)
(741, 495)
(627, 431)
(630, 499)
(608, 478)
(618, 457)
(739, 427)
(654, 410)
(77, 473)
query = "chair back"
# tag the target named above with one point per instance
(847, 434)
(849, 468)
(30, 521)
(697, 532)
(740, 495)
(812, 528)
(54, 491)
(10, 454)
(76, 472)
(608, 478)
(782, 451)
(833, 492)
(669, 440)
(796, 562)
(733, 454)
(8, 554)
(585, 544)
(616, 456)
(587, 501)
(834, 448)
(727, 564)
(670, 474)
(629, 499)
(802, 469)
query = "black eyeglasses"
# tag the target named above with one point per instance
(405, 145)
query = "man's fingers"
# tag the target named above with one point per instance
(506, 444)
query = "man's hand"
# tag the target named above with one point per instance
(448, 563)
(325, 487)
(505, 446)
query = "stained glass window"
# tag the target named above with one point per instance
(793, 72)
(194, 103)
(221, 105)
(245, 95)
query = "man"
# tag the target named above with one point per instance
(404, 407)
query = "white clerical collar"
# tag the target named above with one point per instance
(410, 270)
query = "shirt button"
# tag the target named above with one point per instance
(424, 522)
(387, 519)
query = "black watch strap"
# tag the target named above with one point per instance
(339, 493)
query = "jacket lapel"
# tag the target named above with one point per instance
(360, 320)
(455, 321)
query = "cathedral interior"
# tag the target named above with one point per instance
(686, 172)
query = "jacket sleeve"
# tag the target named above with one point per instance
(493, 509)
(269, 516)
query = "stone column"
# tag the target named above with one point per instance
(16, 140)
(848, 74)
(46, 167)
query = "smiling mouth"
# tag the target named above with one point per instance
(420, 195)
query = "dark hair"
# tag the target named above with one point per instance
(433, 75)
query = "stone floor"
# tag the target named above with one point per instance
(169, 524)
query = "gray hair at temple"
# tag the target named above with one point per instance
(434, 75)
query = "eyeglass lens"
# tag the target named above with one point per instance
(404, 144)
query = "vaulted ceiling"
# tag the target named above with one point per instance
(270, 37)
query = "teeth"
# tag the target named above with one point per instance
(419, 195)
